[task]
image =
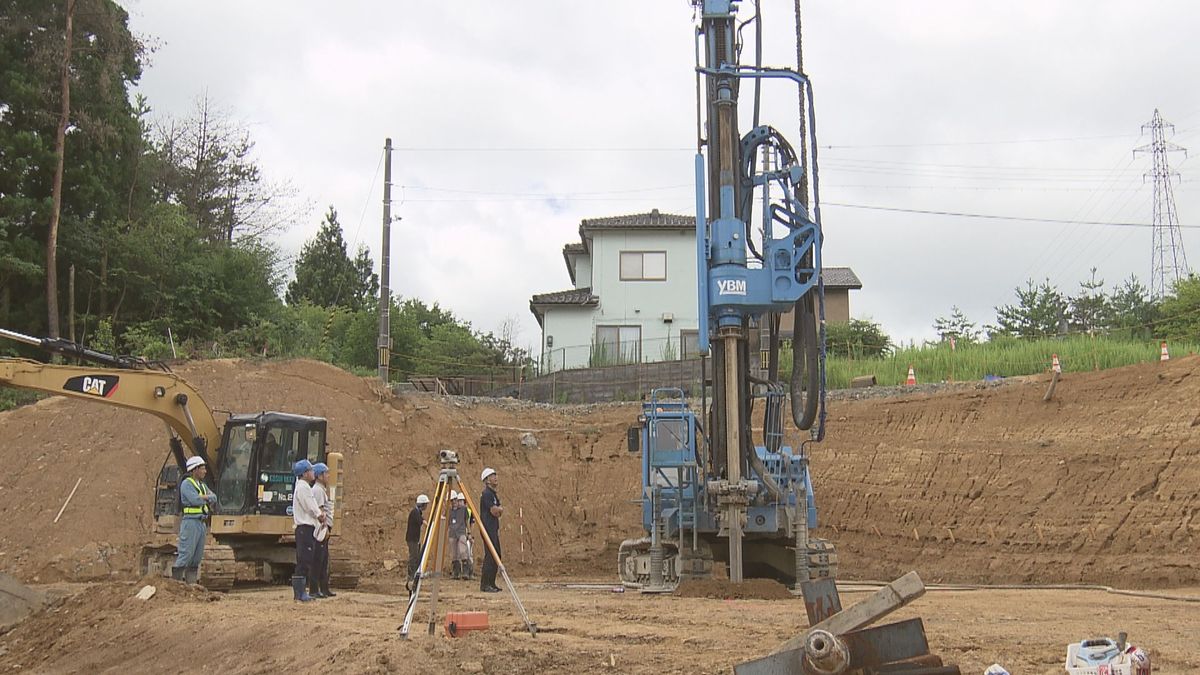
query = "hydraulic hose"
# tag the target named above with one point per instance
(805, 385)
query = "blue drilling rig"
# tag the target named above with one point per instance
(711, 491)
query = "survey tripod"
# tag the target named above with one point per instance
(433, 548)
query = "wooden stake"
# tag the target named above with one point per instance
(64, 506)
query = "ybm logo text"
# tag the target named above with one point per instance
(731, 287)
(93, 385)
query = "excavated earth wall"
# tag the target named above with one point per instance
(975, 485)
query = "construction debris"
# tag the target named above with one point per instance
(842, 643)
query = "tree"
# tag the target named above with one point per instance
(858, 338)
(1041, 311)
(205, 164)
(1089, 310)
(1180, 312)
(956, 326)
(1130, 309)
(102, 143)
(327, 277)
(60, 151)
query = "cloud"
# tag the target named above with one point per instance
(905, 91)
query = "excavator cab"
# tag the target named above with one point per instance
(253, 472)
(255, 476)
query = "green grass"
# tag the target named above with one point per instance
(11, 398)
(1005, 358)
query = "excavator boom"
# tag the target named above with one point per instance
(162, 394)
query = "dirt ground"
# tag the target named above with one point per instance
(105, 628)
(988, 485)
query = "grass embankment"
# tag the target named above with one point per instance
(1004, 358)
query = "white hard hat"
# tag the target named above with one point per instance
(194, 462)
(487, 472)
(454, 495)
(422, 499)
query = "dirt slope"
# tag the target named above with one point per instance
(1097, 486)
(570, 493)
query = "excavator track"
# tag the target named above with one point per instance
(344, 567)
(218, 570)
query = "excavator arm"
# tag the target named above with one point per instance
(162, 394)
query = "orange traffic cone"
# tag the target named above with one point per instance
(912, 377)
(1164, 355)
(1054, 364)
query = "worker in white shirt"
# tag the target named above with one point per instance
(306, 513)
(318, 581)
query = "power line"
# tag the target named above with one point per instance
(1010, 141)
(548, 194)
(992, 216)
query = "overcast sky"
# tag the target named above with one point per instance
(514, 120)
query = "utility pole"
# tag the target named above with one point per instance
(385, 263)
(1168, 262)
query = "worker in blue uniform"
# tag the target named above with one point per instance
(198, 504)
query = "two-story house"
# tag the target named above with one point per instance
(633, 298)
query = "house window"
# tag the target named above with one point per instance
(689, 343)
(616, 345)
(643, 265)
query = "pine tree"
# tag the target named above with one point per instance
(1089, 309)
(327, 277)
(1041, 311)
(957, 326)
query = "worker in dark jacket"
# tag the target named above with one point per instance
(490, 512)
(413, 536)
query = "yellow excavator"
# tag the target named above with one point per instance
(250, 460)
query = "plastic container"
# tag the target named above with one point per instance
(459, 623)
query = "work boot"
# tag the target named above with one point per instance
(314, 589)
(191, 575)
(298, 590)
(468, 570)
(325, 588)
(177, 573)
(456, 570)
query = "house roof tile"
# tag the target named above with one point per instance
(581, 297)
(654, 220)
(841, 277)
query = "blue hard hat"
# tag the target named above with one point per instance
(299, 468)
(320, 468)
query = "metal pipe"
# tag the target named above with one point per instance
(701, 259)
(825, 653)
(733, 460)
(21, 337)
